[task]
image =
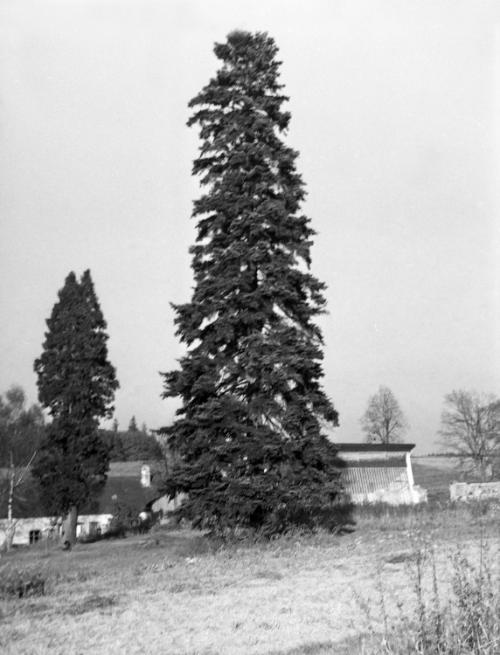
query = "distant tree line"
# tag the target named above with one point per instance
(21, 434)
(131, 445)
(21, 428)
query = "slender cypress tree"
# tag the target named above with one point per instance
(76, 383)
(248, 441)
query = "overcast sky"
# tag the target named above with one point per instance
(395, 113)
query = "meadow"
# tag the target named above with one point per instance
(401, 580)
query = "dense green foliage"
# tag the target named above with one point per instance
(131, 446)
(248, 435)
(76, 383)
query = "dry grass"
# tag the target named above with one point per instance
(175, 592)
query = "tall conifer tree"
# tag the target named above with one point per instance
(76, 383)
(248, 441)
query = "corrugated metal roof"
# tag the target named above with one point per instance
(367, 480)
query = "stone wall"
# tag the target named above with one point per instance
(464, 491)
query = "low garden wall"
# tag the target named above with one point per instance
(465, 491)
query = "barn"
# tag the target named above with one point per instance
(379, 473)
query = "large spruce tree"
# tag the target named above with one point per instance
(248, 441)
(76, 383)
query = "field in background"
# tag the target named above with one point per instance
(435, 473)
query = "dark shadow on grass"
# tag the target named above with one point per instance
(90, 604)
(311, 648)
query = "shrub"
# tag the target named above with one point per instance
(124, 520)
(121, 522)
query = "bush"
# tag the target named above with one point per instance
(124, 520)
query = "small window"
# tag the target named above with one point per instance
(35, 535)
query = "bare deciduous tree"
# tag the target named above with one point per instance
(383, 421)
(20, 431)
(470, 428)
(8, 487)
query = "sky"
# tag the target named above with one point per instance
(395, 114)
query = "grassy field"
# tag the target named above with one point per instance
(436, 473)
(175, 592)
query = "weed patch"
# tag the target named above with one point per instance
(464, 618)
(92, 603)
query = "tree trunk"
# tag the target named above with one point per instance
(13, 484)
(10, 532)
(69, 528)
(485, 469)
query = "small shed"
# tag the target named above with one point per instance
(379, 473)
